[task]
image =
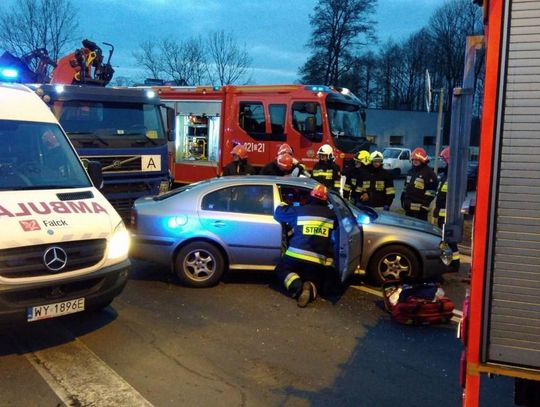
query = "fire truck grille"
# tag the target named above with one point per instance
(118, 163)
(29, 261)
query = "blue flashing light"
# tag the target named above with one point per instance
(59, 88)
(150, 94)
(216, 88)
(363, 219)
(317, 88)
(9, 74)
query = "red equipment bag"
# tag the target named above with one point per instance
(417, 304)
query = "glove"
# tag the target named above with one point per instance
(386, 208)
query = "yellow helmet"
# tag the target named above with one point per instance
(364, 157)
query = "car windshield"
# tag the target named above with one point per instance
(110, 124)
(345, 120)
(391, 153)
(38, 156)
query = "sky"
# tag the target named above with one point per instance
(275, 32)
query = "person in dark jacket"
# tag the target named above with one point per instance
(309, 257)
(439, 212)
(239, 165)
(420, 186)
(355, 177)
(282, 165)
(380, 189)
(326, 171)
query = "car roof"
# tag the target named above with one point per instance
(257, 179)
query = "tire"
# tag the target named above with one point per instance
(393, 262)
(199, 264)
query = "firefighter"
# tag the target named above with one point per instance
(439, 212)
(326, 170)
(299, 169)
(354, 181)
(380, 190)
(420, 186)
(239, 165)
(282, 165)
(309, 259)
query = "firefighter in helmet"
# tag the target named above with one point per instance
(284, 164)
(309, 258)
(420, 186)
(239, 165)
(380, 189)
(326, 171)
(357, 180)
(439, 212)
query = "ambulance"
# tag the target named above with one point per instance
(63, 247)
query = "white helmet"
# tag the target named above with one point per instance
(376, 155)
(326, 149)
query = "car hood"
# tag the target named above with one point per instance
(394, 219)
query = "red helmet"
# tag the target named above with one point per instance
(320, 192)
(419, 154)
(445, 154)
(284, 149)
(240, 151)
(284, 162)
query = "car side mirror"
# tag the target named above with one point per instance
(171, 118)
(94, 172)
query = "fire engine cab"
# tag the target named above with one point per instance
(210, 121)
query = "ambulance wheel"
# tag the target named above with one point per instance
(394, 262)
(199, 264)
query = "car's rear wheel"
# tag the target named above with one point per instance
(393, 262)
(199, 264)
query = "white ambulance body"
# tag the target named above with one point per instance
(63, 248)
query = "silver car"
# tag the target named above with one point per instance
(203, 229)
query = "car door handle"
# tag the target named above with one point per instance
(218, 223)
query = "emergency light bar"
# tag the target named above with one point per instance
(8, 74)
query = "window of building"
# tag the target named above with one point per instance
(396, 140)
(251, 117)
(429, 141)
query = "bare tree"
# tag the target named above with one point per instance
(35, 24)
(183, 62)
(338, 26)
(228, 61)
(149, 58)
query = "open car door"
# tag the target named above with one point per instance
(348, 239)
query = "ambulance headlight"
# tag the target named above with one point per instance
(119, 243)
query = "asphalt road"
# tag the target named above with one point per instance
(241, 343)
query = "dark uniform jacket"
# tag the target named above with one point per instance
(312, 224)
(272, 168)
(440, 201)
(240, 167)
(354, 179)
(419, 189)
(327, 173)
(380, 187)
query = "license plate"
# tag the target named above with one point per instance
(54, 310)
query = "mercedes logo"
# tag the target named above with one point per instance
(55, 258)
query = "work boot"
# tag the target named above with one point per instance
(308, 294)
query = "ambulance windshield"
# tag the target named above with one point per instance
(37, 156)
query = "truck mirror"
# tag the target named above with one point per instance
(171, 118)
(94, 171)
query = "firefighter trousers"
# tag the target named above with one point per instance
(293, 272)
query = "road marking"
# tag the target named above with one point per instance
(455, 318)
(79, 377)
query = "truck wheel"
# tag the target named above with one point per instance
(199, 264)
(393, 262)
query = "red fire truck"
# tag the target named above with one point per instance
(501, 327)
(210, 121)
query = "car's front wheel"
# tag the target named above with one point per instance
(393, 262)
(199, 264)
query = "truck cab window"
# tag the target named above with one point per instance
(307, 119)
(277, 118)
(251, 117)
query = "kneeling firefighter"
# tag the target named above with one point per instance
(309, 257)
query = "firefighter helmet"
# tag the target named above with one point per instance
(419, 154)
(376, 155)
(284, 149)
(240, 151)
(284, 162)
(445, 154)
(364, 157)
(320, 192)
(326, 149)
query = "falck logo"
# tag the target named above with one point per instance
(55, 258)
(30, 225)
